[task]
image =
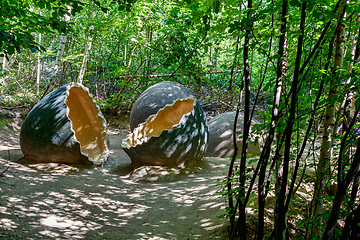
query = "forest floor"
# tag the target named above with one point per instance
(58, 201)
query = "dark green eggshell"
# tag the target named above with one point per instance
(155, 98)
(184, 142)
(221, 136)
(46, 134)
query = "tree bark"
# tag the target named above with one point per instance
(2, 79)
(85, 60)
(247, 123)
(329, 121)
(343, 184)
(282, 214)
(38, 72)
(58, 62)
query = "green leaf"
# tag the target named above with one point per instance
(326, 216)
(55, 14)
(228, 209)
(41, 5)
(357, 102)
(295, 3)
(216, 6)
(11, 50)
(276, 56)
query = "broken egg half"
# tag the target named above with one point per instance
(66, 126)
(177, 132)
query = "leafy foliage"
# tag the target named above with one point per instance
(201, 45)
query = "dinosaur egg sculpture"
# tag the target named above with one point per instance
(168, 126)
(66, 126)
(221, 136)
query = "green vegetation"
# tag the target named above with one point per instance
(295, 63)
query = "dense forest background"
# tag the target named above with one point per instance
(293, 65)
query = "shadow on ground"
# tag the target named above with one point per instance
(58, 201)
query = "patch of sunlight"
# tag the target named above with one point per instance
(188, 201)
(207, 204)
(6, 148)
(205, 220)
(168, 233)
(49, 234)
(54, 168)
(60, 222)
(7, 223)
(14, 199)
(214, 227)
(217, 205)
(84, 213)
(39, 179)
(75, 192)
(157, 238)
(148, 224)
(250, 210)
(206, 224)
(3, 210)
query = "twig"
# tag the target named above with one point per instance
(14, 162)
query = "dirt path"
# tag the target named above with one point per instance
(57, 201)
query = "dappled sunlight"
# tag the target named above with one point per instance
(9, 134)
(7, 223)
(54, 168)
(61, 201)
(221, 136)
(53, 200)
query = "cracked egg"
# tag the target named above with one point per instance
(66, 126)
(176, 133)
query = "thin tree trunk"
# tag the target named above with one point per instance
(282, 214)
(2, 79)
(276, 116)
(349, 223)
(247, 123)
(327, 140)
(263, 168)
(85, 60)
(149, 63)
(232, 211)
(349, 96)
(60, 53)
(58, 61)
(89, 42)
(38, 72)
(343, 184)
(280, 137)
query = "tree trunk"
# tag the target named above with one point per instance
(343, 184)
(282, 214)
(2, 79)
(327, 139)
(58, 61)
(349, 96)
(38, 72)
(89, 41)
(85, 60)
(247, 123)
(276, 118)
(149, 63)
